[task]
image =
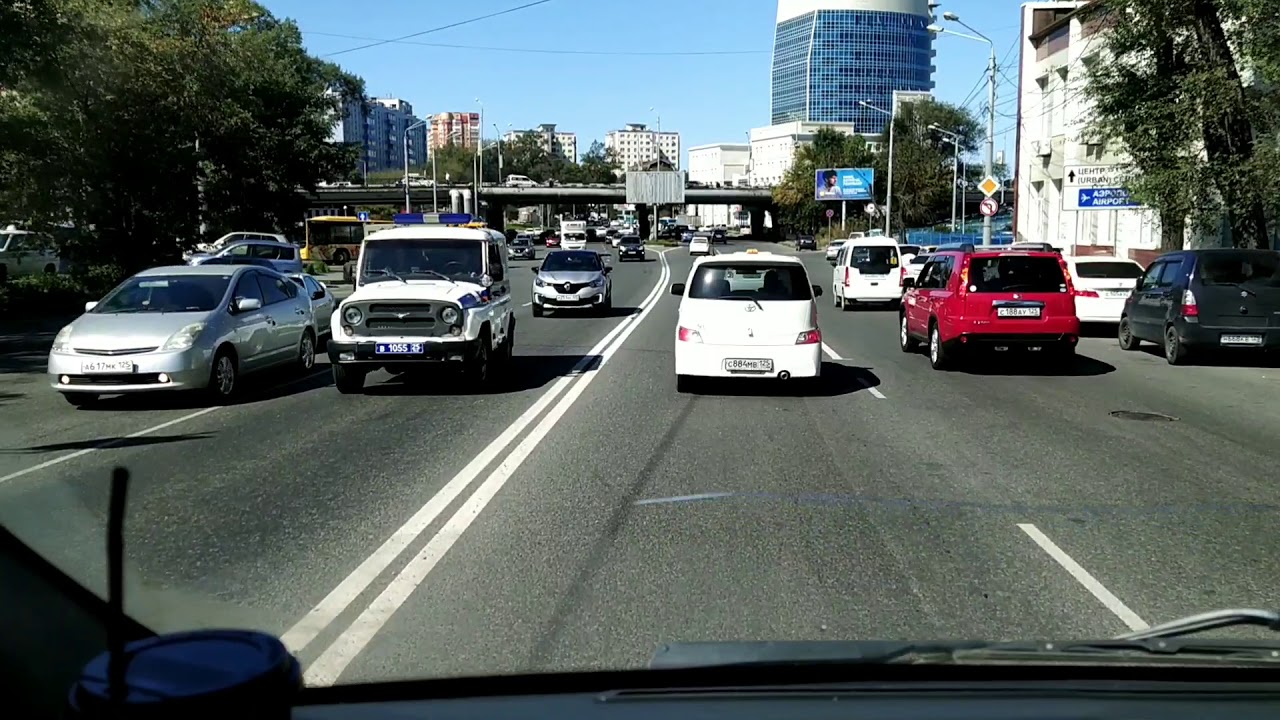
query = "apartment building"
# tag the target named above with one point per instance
(636, 145)
(1068, 184)
(554, 142)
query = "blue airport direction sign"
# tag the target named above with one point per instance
(1104, 198)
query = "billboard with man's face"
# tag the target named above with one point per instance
(844, 183)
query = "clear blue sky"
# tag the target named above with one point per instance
(592, 65)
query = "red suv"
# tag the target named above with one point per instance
(964, 300)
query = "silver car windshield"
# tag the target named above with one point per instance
(572, 261)
(166, 294)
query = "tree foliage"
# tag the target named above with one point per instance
(139, 110)
(922, 166)
(1186, 93)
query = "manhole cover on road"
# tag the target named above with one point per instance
(1145, 416)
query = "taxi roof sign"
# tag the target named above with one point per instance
(432, 218)
(752, 251)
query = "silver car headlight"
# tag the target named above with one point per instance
(539, 282)
(62, 341)
(352, 316)
(184, 338)
(598, 282)
(449, 315)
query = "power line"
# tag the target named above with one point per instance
(541, 51)
(450, 26)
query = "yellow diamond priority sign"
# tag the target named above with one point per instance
(989, 186)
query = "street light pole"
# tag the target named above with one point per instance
(955, 168)
(407, 130)
(499, 134)
(479, 159)
(888, 191)
(991, 101)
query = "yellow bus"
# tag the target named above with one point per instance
(335, 239)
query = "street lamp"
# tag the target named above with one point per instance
(955, 168)
(497, 131)
(418, 124)
(479, 157)
(888, 191)
(991, 100)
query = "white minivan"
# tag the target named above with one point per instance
(1102, 286)
(747, 315)
(867, 270)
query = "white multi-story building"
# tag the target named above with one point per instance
(1066, 181)
(637, 145)
(719, 165)
(564, 144)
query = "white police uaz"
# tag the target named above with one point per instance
(428, 295)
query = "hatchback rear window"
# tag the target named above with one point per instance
(1248, 268)
(750, 281)
(1016, 273)
(1108, 271)
(873, 259)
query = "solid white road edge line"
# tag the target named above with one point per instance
(334, 660)
(141, 433)
(1082, 576)
(836, 356)
(341, 597)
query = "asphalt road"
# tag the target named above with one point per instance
(589, 513)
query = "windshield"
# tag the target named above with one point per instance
(873, 259)
(166, 294)
(1015, 273)
(572, 261)
(1247, 268)
(411, 258)
(1108, 270)
(475, 457)
(754, 281)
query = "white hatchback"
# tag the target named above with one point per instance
(700, 245)
(747, 315)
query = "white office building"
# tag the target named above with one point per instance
(719, 165)
(637, 145)
(1067, 183)
(553, 142)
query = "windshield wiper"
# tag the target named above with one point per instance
(1211, 620)
(434, 273)
(386, 275)
(1228, 283)
(741, 297)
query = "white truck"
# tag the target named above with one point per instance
(427, 297)
(573, 234)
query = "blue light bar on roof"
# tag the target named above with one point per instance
(431, 219)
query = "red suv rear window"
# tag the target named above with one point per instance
(1016, 273)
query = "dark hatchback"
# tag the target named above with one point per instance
(806, 242)
(1206, 301)
(630, 247)
(521, 248)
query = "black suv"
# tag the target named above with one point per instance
(806, 242)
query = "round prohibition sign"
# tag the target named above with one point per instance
(988, 206)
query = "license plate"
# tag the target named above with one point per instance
(1018, 312)
(567, 298)
(1241, 340)
(748, 365)
(398, 349)
(101, 367)
(1116, 294)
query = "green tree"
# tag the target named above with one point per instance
(146, 109)
(795, 194)
(1199, 138)
(923, 160)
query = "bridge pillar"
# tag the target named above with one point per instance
(642, 214)
(495, 216)
(757, 222)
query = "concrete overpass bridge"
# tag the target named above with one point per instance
(495, 198)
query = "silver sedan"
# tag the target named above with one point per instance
(184, 328)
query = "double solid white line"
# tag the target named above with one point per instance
(330, 664)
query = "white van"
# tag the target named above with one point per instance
(867, 270)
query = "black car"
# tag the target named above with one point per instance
(630, 247)
(806, 242)
(719, 235)
(1205, 301)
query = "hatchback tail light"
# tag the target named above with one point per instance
(809, 337)
(1086, 294)
(846, 276)
(1066, 276)
(902, 276)
(1189, 307)
(689, 335)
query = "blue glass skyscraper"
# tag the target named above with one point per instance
(829, 54)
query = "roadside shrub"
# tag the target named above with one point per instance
(58, 294)
(315, 267)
